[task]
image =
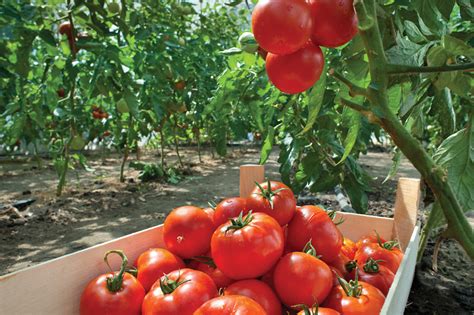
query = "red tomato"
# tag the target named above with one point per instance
(319, 311)
(180, 292)
(247, 247)
(180, 85)
(229, 208)
(334, 22)
(257, 291)
(155, 262)
(275, 199)
(364, 300)
(65, 29)
(231, 305)
(348, 248)
(282, 26)
(96, 115)
(296, 72)
(187, 231)
(123, 294)
(340, 264)
(210, 213)
(300, 278)
(209, 267)
(313, 223)
(389, 257)
(61, 93)
(379, 276)
(369, 239)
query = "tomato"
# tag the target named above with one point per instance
(180, 85)
(275, 199)
(301, 278)
(229, 208)
(231, 305)
(296, 72)
(334, 22)
(355, 298)
(208, 266)
(313, 223)
(179, 292)
(155, 262)
(282, 26)
(340, 264)
(371, 272)
(187, 231)
(247, 247)
(262, 53)
(390, 257)
(348, 248)
(106, 134)
(369, 239)
(61, 93)
(319, 311)
(113, 293)
(257, 291)
(65, 29)
(96, 115)
(210, 213)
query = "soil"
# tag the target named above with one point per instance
(96, 208)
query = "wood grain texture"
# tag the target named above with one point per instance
(357, 225)
(406, 210)
(55, 287)
(249, 174)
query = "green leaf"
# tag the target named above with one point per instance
(413, 32)
(48, 37)
(355, 122)
(132, 102)
(431, 16)
(395, 164)
(437, 56)
(456, 155)
(457, 47)
(407, 52)
(267, 145)
(315, 101)
(356, 194)
(443, 106)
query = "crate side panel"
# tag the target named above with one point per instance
(357, 225)
(55, 287)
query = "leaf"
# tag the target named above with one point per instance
(356, 194)
(457, 47)
(355, 122)
(267, 145)
(395, 164)
(232, 51)
(316, 96)
(431, 16)
(132, 102)
(407, 52)
(413, 32)
(443, 106)
(466, 8)
(456, 155)
(48, 37)
(289, 152)
(437, 56)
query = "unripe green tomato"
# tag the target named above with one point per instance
(122, 106)
(248, 43)
(186, 10)
(113, 7)
(77, 143)
(181, 41)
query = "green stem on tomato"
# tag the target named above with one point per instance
(114, 283)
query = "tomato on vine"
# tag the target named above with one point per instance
(296, 72)
(282, 26)
(113, 293)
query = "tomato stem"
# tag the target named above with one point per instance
(205, 260)
(114, 283)
(240, 221)
(372, 265)
(269, 193)
(351, 288)
(168, 286)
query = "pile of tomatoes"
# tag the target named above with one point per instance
(292, 31)
(255, 255)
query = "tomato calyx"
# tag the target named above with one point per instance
(332, 215)
(114, 283)
(269, 193)
(240, 221)
(314, 310)
(351, 288)
(310, 250)
(168, 286)
(205, 260)
(389, 245)
(351, 265)
(212, 205)
(372, 265)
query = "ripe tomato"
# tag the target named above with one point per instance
(340, 264)
(369, 239)
(282, 26)
(372, 273)
(180, 85)
(319, 311)
(210, 213)
(296, 72)
(275, 199)
(230, 305)
(153, 263)
(65, 29)
(113, 293)
(334, 22)
(301, 278)
(229, 208)
(179, 292)
(355, 298)
(187, 231)
(348, 248)
(96, 115)
(247, 247)
(390, 257)
(61, 93)
(313, 223)
(208, 266)
(257, 291)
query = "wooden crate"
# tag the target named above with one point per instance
(55, 287)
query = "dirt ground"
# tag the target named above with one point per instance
(96, 208)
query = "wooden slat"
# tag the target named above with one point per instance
(406, 209)
(397, 297)
(55, 287)
(249, 174)
(357, 225)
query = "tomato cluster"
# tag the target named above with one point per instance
(255, 255)
(99, 113)
(292, 31)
